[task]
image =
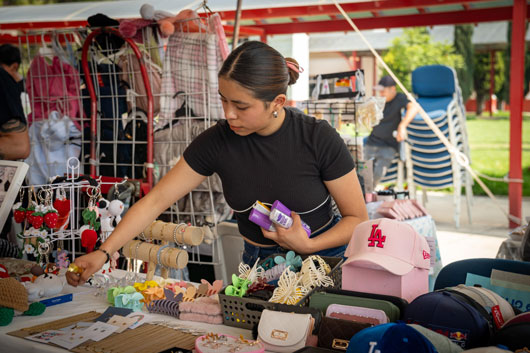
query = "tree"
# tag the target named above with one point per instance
(464, 46)
(482, 74)
(415, 48)
(505, 91)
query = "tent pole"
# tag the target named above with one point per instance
(515, 189)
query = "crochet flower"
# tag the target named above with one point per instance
(29, 249)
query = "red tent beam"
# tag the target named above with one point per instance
(428, 19)
(43, 25)
(515, 189)
(26, 26)
(299, 11)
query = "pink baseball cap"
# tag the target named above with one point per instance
(395, 246)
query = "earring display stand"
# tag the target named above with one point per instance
(181, 234)
(162, 255)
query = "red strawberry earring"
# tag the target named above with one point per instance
(51, 216)
(63, 207)
(89, 235)
(19, 212)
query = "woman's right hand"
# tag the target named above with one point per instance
(90, 264)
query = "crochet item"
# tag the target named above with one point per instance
(13, 294)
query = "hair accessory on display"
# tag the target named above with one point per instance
(238, 288)
(204, 309)
(267, 264)
(291, 260)
(288, 290)
(260, 285)
(313, 277)
(190, 294)
(113, 292)
(251, 274)
(168, 306)
(132, 301)
(213, 288)
(274, 273)
(143, 286)
(153, 293)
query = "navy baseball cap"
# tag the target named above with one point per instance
(390, 338)
(385, 81)
(450, 315)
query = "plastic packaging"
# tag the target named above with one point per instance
(281, 216)
(261, 219)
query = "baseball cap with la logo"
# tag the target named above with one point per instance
(388, 244)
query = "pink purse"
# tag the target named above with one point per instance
(357, 314)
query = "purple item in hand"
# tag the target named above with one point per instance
(281, 216)
(261, 220)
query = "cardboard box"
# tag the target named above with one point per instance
(379, 281)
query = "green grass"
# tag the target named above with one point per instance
(489, 143)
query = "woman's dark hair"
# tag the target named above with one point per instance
(9, 54)
(261, 69)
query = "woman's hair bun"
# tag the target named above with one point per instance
(293, 74)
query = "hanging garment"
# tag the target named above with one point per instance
(169, 145)
(111, 94)
(53, 87)
(53, 141)
(191, 64)
(131, 74)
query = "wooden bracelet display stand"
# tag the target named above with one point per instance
(167, 257)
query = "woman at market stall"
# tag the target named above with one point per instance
(263, 151)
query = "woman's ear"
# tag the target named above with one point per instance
(279, 101)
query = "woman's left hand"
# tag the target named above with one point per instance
(294, 238)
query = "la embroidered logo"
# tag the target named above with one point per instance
(426, 255)
(376, 236)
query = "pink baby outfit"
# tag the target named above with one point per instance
(53, 87)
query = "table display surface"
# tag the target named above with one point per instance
(85, 300)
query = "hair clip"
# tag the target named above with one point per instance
(321, 263)
(294, 66)
(153, 293)
(113, 292)
(312, 277)
(288, 290)
(291, 259)
(140, 287)
(251, 274)
(267, 264)
(213, 288)
(190, 293)
(260, 285)
(238, 288)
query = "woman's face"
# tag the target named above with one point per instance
(244, 113)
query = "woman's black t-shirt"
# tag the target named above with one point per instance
(290, 165)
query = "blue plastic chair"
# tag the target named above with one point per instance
(433, 167)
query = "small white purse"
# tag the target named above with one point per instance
(284, 332)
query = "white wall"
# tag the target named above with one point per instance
(295, 46)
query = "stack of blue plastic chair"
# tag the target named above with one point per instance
(438, 92)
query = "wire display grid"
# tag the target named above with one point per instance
(121, 125)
